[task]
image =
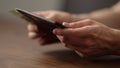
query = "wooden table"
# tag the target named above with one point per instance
(18, 51)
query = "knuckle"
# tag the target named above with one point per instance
(90, 21)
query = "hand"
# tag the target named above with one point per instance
(88, 37)
(43, 39)
(57, 16)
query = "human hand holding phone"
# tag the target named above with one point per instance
(57, 16)
(40, 27)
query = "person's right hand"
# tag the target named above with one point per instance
(89, 37)
(58, 16)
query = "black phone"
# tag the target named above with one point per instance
(45, 25)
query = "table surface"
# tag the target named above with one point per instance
(18, 51)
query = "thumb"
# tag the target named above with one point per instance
(60, 37)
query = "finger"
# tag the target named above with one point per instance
(71, 31)
(63, 32)
(32, 28)
(32, 35)
(82, 23)
(60, 37)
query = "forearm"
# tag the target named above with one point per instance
(108, 16)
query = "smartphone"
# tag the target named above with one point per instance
(45, 25)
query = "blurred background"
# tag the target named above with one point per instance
(73, 6)
(18, 51)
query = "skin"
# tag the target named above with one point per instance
(89, 37)
(96, 37)
(57, 16)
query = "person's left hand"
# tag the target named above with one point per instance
(88, 37)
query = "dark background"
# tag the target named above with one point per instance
(81, 6)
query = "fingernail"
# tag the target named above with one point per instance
(65, 24)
